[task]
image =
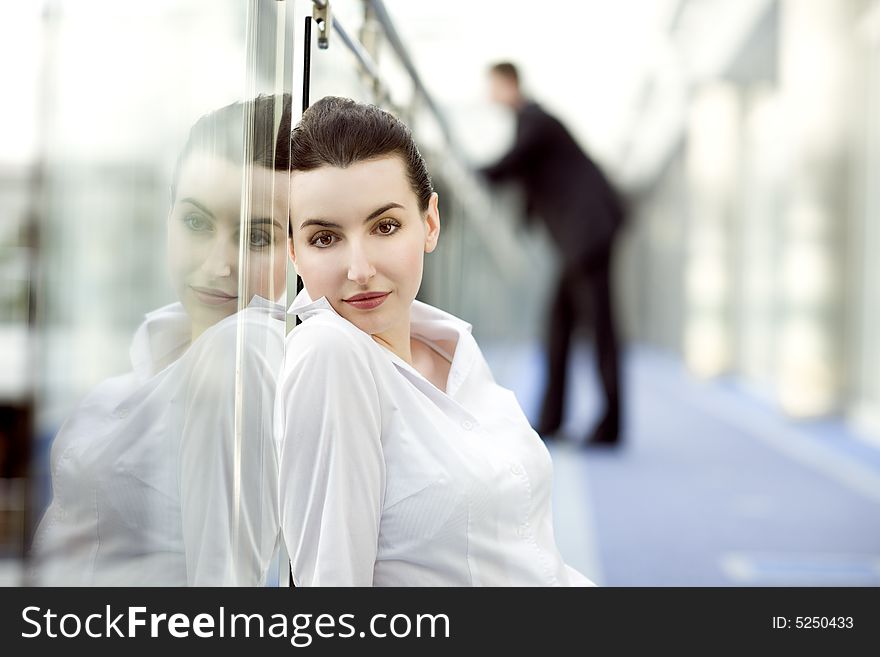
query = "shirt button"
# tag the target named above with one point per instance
(467, 424)
(122, 412)
(516, 469)
(522, 532)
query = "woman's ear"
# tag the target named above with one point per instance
(291, 252)
(432, 223)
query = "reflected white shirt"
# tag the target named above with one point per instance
(167, 475)
(388, 481)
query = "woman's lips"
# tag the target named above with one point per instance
(211, 296)
(368, 300)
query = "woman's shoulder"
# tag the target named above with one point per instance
(330, 341)
(326, 353)
(257, 320)
(328, 330)
(251, 330)
(247, 345)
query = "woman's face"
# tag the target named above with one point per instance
(203, 237)
(359, 239)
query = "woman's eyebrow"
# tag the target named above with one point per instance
(264, 220)
(192, 201)
(388, 206)
(324, 223)
(319, 222)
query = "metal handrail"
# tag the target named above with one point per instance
(372, 70)
(396, 43)
(357, 50)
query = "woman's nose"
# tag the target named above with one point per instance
(360, 270)
(222, 260)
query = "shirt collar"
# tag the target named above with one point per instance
(274, 308)
(426, 321)
(304, 307)
(160, 339)
(435, 324)
(166, 333)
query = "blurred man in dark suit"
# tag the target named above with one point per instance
(582, 213)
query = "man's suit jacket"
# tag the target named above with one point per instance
(562, 184)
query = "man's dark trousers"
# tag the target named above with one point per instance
(582, 294)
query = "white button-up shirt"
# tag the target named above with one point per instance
(388, 481)
(167, 475)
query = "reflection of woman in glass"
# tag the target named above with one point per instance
(402, 461)
(168, 475)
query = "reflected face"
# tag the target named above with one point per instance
(204, 233)
(359, 239)
(503, 90)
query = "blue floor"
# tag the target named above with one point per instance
(712, 486)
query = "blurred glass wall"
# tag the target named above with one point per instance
(143, 255)
(750, 252)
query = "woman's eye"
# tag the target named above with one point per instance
(196, 222)
(388, 227)
(260, 238)
(323, 240)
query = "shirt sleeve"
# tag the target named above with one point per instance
(514, 163)
(332, 479)
(228, 476)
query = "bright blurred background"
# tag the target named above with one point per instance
(744, 135)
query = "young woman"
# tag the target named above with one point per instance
(402, 462)
(167, 475)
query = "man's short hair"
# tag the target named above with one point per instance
(506, 70)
